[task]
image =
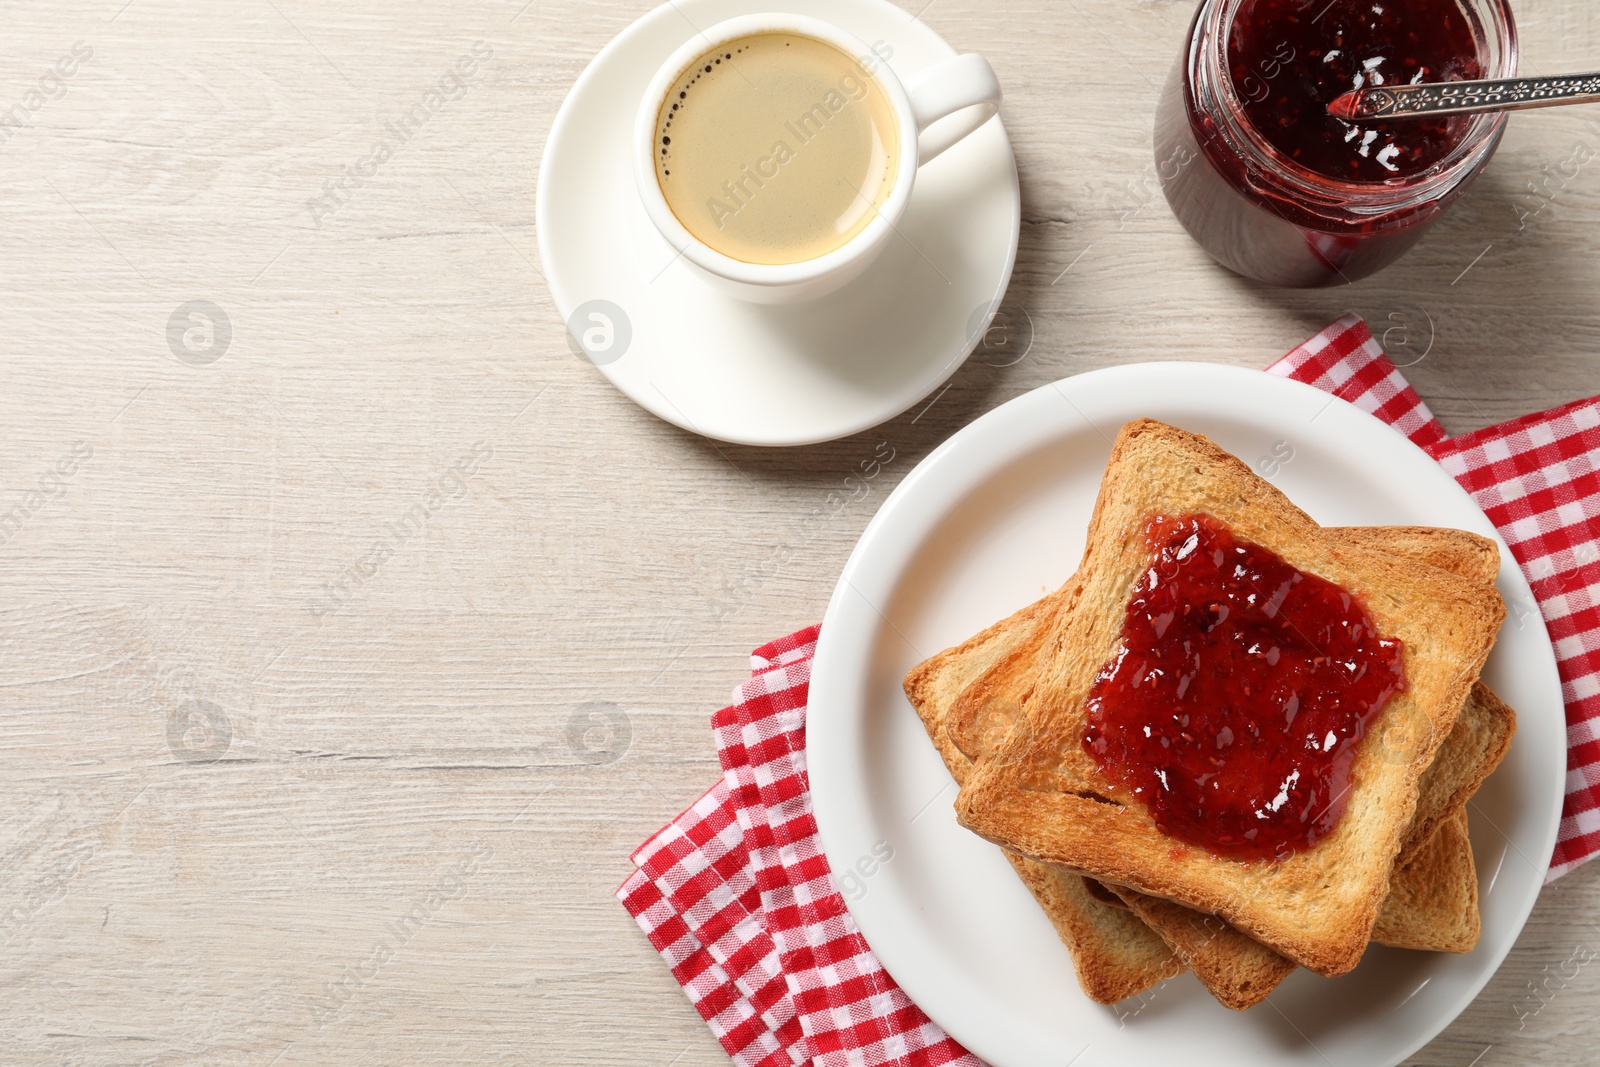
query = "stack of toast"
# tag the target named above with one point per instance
(1134, 905)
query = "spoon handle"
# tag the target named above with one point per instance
(1465, 98)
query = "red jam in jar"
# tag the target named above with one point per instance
(1290, 60)
(1242, 687)
(1277, 189)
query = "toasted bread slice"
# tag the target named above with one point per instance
(1433, 900)
(1043, 797)
(1115, 955)
(1237, 970)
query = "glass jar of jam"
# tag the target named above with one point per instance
(1275, 188)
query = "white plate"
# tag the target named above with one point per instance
(726, 369)
(992, 520)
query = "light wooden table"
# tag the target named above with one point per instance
(397, 759)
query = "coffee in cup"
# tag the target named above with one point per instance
(776, 148)
(777, 166)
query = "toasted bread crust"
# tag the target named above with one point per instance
(986, 710)
(1239, 972)
(1116, 956)
(1433, 902)
(934, 685)
(1468, 555)
(1043, 797)
(1477, 743)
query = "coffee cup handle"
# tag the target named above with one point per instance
(963, 90)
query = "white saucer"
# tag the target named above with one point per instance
(734, 371)
(991, 520)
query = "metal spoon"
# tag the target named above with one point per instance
(1465, 98)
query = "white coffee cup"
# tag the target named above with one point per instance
(962, 90)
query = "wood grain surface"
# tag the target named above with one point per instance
(371, 615)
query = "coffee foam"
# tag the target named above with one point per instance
(776, 148)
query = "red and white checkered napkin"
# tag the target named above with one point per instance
(737, 896)
(1538, 480)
